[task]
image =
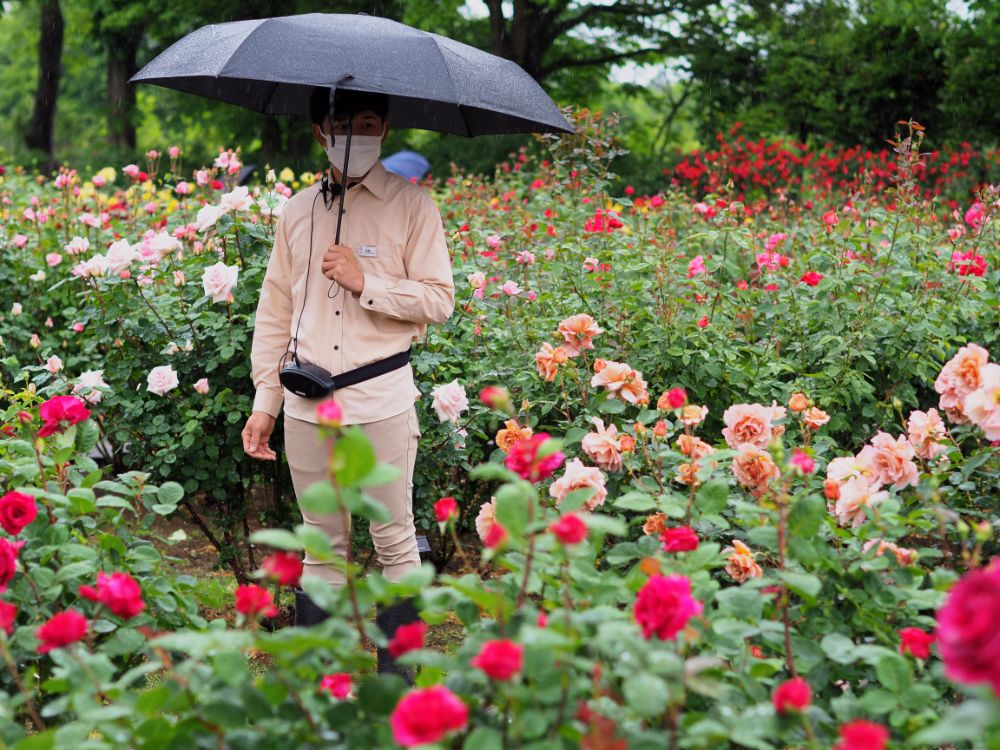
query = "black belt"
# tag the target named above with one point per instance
(371, 370)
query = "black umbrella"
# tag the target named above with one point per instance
(272, 65)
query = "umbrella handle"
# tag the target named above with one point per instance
(343, 189)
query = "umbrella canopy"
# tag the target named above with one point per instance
(408, 164)
(271, 65)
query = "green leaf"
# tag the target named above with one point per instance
(894, 672)
(637, 501)
(839, 648)
(320, 497)
(277, 538)
(804, 584)
(353, 457)
(878, 701)
(493, 472)
(512, 508)
(966, 722)
(365, 506)
(483, 739)
(646, 694)
(170, 493)
(712, 497)
(379, 475)
(806, 516)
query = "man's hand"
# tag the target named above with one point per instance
(255, 435)
(340, 265)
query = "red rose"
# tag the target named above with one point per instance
(17, 510)
(500, 660)
(496, 536)
(495, 397)
(679, 539)
(8, 561)
(119, 592)
(664, 605)
(61, 630)
(570, 529)
(862, 735)
(967, 633)
(8, 613)
(59, 409)
(338, 685)
(408, 637)
(811, 278)
(523, 458)
(676, 398)
(792, 695)
(445, 508)
(283, 567)
(915, 642)
(426, 715)
(253, 601)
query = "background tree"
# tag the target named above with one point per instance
(50, 47)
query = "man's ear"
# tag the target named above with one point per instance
(318, 135)
(388, 127)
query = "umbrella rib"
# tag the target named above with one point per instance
(454, 89)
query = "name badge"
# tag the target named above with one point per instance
(368, 251)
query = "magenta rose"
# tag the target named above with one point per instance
(967, 633)
(664, 605)
(61, 409)
(8, 561)
(119, 592)
(17, 510)
(426, 715)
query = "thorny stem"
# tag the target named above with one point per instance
(39, 724)
(345, 516)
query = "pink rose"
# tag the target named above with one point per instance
(53, 364)
(53, 259)
(856, 494)
(484, 519)
(161, 379)
(201, 386)
(577, 476)
(603, 447)
(219, 280)
(926, 431)
(450, 401)
(511, 289)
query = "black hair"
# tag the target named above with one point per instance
(345, 102)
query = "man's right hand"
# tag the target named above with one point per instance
(257, 432)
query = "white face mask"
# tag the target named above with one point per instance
(365, 150)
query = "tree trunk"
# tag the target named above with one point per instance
(50, 47)
(121, 96)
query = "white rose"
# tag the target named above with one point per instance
(237, 200)
(271, 204)
(161, 379)
(208, 215)
(53, 364)
(93, 379)
(450, 401)
(219, 280)
(16, 308)
(119, 256)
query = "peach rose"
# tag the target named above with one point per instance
(740, 565)
(904, 556)
(892, 460)
(655, 524)
(847, 467)
(577, 476)
(692, 415)
(548, 359)
(982, 406)
(688, 474)
(694, 447)
(510, 434)
(622, 382)
(926, 431)
(815, 418)
(798, 402)
(754, 468)
(747, 423)
(960, 377)
(484, 520)
(578, 332)
(856, 494)
(604, 446)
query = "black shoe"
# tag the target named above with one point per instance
(307, 612)
(388, 620)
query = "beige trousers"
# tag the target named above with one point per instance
(395, 442)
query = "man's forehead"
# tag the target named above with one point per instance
(360, 113)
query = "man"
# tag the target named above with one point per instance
(361, 301)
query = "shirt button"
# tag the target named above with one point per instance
(371, 302)
(335, 347)
(337, 312)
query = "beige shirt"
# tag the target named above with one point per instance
(396, 232)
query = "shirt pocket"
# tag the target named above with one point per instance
(387, 261)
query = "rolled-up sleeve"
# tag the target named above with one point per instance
(427, 294)
(271, 326)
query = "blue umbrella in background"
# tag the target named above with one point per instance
(408, 164)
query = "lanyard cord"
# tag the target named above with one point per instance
(305, 295)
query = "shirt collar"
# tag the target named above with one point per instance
(374, 180)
